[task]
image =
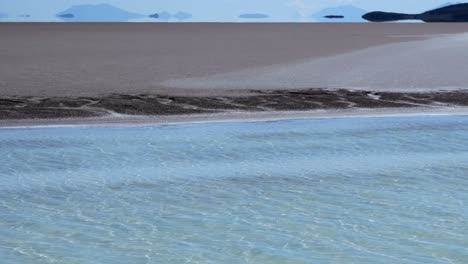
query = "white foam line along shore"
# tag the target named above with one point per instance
(124, 121)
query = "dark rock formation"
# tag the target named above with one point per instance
(452, 13)
(333, 16)
(351, 14)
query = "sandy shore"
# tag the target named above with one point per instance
(210, 59)
(101, 72)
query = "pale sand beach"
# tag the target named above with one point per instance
(92, 70)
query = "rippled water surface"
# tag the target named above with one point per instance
(358, 190)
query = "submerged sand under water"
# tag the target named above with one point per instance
(366, 190)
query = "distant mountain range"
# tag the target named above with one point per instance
(166, 16)
(109, 13)
(5, 16)
(350, 14)
(446, 14)
(96, 13)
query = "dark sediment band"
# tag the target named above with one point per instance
(23, 107)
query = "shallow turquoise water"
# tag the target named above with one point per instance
(356, 190)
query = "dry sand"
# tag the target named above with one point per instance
(196, 59)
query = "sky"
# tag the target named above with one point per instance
(211, 10)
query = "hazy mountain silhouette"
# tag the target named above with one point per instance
(350, 14)
(66, 15)
(254, 16)
(168, 16)
(164, 15)
(182, 15)
(96, 13)
(451, 13)
(448, 4)
(3, 15)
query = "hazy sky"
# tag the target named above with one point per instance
(212, 10)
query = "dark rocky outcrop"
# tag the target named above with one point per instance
(349, 13)
(333, 16)
(451, 13)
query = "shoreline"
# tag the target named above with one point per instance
(249, 76)
(228, 117)
(164, 106)
(265, 105)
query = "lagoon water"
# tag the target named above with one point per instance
(355, 190)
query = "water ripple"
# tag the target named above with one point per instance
(365, 190)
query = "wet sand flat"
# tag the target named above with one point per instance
(46, 107)
(436, 63)
(157, 58)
